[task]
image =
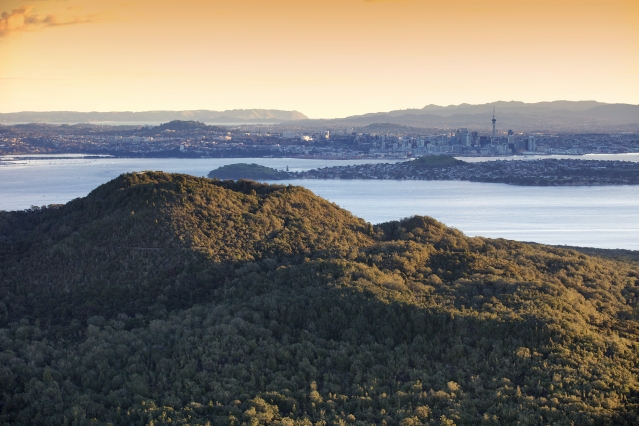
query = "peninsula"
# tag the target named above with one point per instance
(543, 172)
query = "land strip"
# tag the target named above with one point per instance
(545, 172)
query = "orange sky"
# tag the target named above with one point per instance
(326, 58)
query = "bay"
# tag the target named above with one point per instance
(605, 217)
(599, 216)
(25, 182)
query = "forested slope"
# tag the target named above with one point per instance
(164, 299)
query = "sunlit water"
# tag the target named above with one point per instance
(606, 217)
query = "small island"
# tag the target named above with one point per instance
(247, 171)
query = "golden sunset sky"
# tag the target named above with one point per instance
(325, 58)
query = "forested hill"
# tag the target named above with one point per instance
(164, 299)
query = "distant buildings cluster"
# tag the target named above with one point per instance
(460, 142)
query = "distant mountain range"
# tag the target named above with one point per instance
(582, 116)
(206, 116)
(558, 115)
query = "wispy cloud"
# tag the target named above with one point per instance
(25, 19)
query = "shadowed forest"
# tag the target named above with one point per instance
(168, 299)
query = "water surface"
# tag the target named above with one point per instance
(606, 217)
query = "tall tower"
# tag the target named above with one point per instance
(494, 122)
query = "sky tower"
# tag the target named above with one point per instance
(494, 122)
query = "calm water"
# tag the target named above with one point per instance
(606, 217)
(27, 182)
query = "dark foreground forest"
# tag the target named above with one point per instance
(167, 299)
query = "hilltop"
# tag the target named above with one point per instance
(165, 298)
(180, 125)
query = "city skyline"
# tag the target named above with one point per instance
(324, 58)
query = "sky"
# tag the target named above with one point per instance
(324, 58)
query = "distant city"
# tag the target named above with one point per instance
(193, 140)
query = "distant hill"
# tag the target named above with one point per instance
(559, 115)
(170, 299)
(387, 128)
(179, 125)
(205, 116)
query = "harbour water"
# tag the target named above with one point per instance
(600, 216)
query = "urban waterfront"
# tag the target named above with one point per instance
(604, 216)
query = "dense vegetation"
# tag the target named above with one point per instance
(167, 299)
(248, 171)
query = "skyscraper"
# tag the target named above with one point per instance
(494, 122)
(474, 137)
(463, 137)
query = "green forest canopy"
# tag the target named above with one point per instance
(165, 298)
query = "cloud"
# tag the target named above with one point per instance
(25, 19)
